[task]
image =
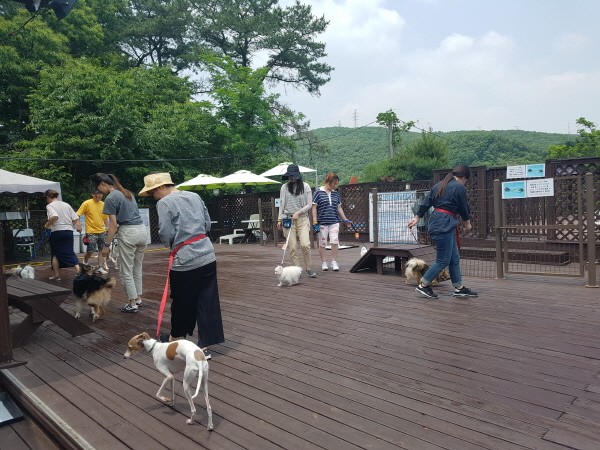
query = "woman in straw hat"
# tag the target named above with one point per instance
(126, 223)
(183, 222)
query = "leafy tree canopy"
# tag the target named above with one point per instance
(586, 144)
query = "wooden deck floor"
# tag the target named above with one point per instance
(339, 362)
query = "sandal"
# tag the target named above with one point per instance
(54, 278)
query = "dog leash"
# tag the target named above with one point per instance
(163, 301)
(285, 246)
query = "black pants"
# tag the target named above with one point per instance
(195, 300)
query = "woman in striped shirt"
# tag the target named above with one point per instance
(327, 211)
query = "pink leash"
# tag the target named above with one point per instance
(163, 301)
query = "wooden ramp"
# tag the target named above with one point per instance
(374, 257)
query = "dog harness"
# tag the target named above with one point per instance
(163, 301)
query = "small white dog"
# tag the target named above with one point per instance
(25, 272)
(288, 276)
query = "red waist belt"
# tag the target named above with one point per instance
(445, 211)
(163, 301)
(450, 213)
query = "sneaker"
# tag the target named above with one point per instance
(207, 353)
(129, 309)
(138, 302)
(311, 273)
(324, 267)
(426, 291)
(164, 337)
(464, 292)
(334, 266)
(101, 271)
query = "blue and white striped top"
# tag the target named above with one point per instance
(327, 206)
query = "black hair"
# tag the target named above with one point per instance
(112, 180)
(297, 186)
(461, 171)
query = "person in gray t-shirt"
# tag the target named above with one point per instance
(183, 222)
(126, 224)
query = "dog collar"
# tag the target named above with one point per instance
(152, 348)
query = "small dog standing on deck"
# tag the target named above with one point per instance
(173, 357)
(93, 289)
(416, 268)
(288, 276)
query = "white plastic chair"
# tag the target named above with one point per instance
(237, 233)
(24, 242)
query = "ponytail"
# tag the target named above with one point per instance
(112, 180)
(461, 171)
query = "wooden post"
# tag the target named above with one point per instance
(5, 339)
(591, 230)
(6, 356)
(497, 229)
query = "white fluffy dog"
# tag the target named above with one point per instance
(25, 272)
(288, 276)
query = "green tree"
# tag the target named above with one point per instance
(285, 37)
(586, 144)
(395, 129)
(416, 162)
(83, 115)
(245, 112)
(156, 33)
(24, 51)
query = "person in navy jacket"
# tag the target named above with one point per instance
(449, 201)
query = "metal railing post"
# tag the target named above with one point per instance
(375, 219)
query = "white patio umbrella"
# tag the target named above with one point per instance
(201, 182)
(245, 178)
(281, 169)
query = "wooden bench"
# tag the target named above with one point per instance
(40, 301)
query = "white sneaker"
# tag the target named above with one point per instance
(101, 271)
(324, 266)
(334, 266)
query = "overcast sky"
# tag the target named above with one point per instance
(459, 64)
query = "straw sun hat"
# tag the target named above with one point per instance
(153, 181)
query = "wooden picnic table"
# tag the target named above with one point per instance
(40, 301)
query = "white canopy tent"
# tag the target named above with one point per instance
(19, 185)
(16, 183)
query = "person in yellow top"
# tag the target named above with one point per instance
(96, 225)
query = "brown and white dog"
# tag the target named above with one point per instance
(92, 289)
(416, 268)
(173, 357)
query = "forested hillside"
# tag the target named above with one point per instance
(352, 149)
